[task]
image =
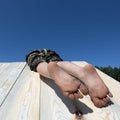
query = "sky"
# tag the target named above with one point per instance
(78, 30)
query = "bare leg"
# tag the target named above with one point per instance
(98, 91)
(67, 83)
(43, 70)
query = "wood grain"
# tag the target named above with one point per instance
(26, 96)
(8, 76)
(112, 110)
(22, 103)
(54, 106)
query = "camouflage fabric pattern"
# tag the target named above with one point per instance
(37, 56)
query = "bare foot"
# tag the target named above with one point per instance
(67, 83)
(98, 91)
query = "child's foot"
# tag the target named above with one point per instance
(98, 91)
(67, 83)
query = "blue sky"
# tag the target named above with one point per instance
(79, 30)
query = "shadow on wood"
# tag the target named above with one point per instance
(26, 96)
(70, 104)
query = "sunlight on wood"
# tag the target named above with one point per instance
(26, 96)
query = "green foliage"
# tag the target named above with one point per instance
(114, 72)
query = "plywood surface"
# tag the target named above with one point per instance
(26, 96)
(22, 101)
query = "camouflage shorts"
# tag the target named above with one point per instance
(37, 56)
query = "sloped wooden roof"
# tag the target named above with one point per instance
(26, 96)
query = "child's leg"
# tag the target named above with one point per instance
(67, 83)
(98, 91)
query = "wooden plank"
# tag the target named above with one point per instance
(54, 106)
(33, 99)
(22, 103)
(110, 112)
(8, 76)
